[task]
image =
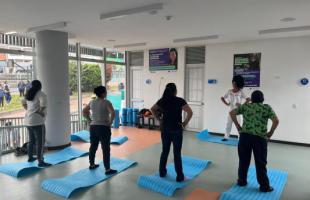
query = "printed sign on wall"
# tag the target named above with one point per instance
(163, 59)
(248, 66)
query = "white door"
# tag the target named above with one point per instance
(136, 87)
(194, 94)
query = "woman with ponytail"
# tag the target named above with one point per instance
(35, 104)
(168, 110)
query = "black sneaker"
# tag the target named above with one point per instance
(266, 189)
(241, 184)
(224, 139)
(180, 178)
(31, 159)
(162, 173)
(44, 164)
(110, 172)
(93, 166)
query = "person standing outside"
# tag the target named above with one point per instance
(21, 88)
(168, 110)
(254, 137)
(35, 104)
(100, 113)
(2, 95)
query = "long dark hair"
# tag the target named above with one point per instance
(36, 86)
(176, 54)
(169, 92)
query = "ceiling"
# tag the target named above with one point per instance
(232, 20)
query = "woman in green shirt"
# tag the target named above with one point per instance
(254, 137)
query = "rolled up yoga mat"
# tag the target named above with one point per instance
(23, 168)
(192, 167)
(135, 113)
(129, 116)
(124, 117)
(116, 120)
(84, 178)
(277, 180)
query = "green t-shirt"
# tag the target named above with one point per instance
(255, 118)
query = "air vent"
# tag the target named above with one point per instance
(284, 30)
(136, 58)
(195, 55)
(130, 45)
(193, 39)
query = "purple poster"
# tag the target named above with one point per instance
(163, 59)
(248, 66)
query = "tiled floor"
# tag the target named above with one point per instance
(144, 147)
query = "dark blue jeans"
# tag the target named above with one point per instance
(176, 138)
(102, 134)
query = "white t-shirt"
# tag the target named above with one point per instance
(99, 112)
(234, 98)
(32, 118)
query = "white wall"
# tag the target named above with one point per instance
(284, 62)
(152, 92)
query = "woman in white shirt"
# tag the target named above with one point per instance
(234, 97)
(35, 104)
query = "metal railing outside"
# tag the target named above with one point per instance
(13, 132)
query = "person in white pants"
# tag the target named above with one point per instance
(233, 98)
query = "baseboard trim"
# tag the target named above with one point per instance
(274, 141)
(59, 147)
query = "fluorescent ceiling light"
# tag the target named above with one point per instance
(122, 13)
(130, 45)
(284, 30)
(288, 19)
(10, 33)
(191, 39)
(54, 26)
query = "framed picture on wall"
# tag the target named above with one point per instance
(163, 59)
(248, 66)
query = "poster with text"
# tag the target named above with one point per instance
(163, 59)
(248, 66)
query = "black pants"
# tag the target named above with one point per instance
(102, 134)
(247, 144)
(36, 136)
(168, 137)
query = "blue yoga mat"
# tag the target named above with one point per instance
(251, 191)
(23, 168)
(65, 186)
(80, 136)
(119, 140)
(168, 185)
(84, 136)
(206, 137)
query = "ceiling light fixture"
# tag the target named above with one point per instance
(121, 13)
(111, 40)
(191, 39)
(130, 45)
(288, 19)
(53, 26)
(284, 30)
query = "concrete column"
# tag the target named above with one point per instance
(52, 71)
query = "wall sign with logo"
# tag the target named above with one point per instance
(163, 59)
(248, 66)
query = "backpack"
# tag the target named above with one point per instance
(20, 151)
